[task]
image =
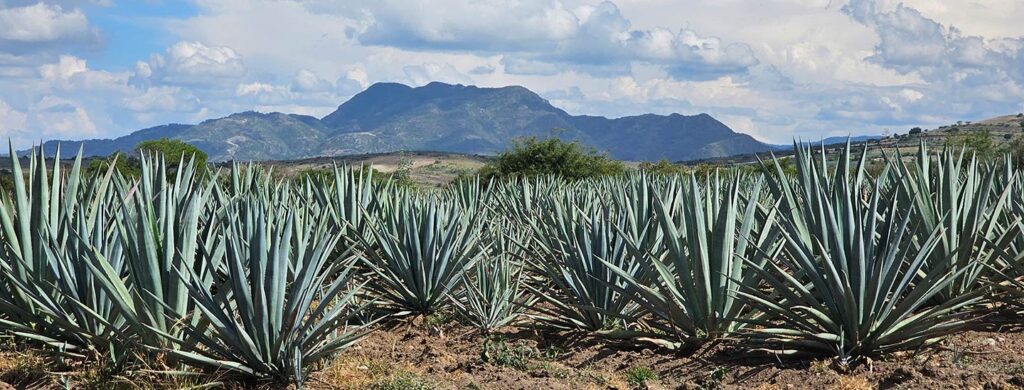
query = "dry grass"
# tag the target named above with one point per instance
(24, 369)
(852, 383)
(351, 373)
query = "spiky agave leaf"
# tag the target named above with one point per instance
(159, 226)
(418, 251)
(286, 302)
(574, 238)
(852, 281)
(493, 294)
(965, 198)
(692, 280)
(49, 295)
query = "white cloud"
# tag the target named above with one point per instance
(307, 81)
(64, 69)
(56, 117)
(11, 119)
(42, 22)
(193, 63)
(778, 69)
(162, 99)
(519, 65)
(425, 73)
(256, 88)
(72, 72)
(353, 82)
(545, 37)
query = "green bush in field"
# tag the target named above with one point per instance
(173, 150)
(533, 156)
(123, 163)
(661, 168)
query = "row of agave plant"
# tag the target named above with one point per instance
(231, 270)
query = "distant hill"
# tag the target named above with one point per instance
(832, 141)
(389, 117)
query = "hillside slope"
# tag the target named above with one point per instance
(389, 117)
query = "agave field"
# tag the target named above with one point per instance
(193, 271)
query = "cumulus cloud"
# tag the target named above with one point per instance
(307, 81)
(353, 82)
(778, 69)
(192, 63)
(967, 75)
(162, 99)
(56, 117)
(545, 37)
(911, 42)
(11, 119)
(254, 89)
(72, 72)
(425, 73)
(31, 27)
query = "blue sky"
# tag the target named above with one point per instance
(776, 69)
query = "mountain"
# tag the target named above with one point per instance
(389, 117)
(831, 141)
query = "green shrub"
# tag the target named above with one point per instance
(639, 376)
(403, 380)
(661, 168)
(533, 156)
(126, 165)
(173, 150)
(979, 142)
(498, 352)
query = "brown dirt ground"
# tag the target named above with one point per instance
(449, 357)
(418, 354)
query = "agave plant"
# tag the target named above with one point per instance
(352, 197)
(710, 233)
(575, 238)
(418, 251)
(49, 231)
(160, 229)
(285, 305)
(853, 280)
(967, 200)
(493, 294)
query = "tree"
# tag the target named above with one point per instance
(173, 151)
(916, 130)
(533, 156)
(123, 163)
(660, 168)
(980, 142)
(1016, 150)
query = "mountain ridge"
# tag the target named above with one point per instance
(439, 117)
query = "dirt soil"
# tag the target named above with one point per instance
(448, 356)
(440, 353)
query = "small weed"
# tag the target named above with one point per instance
(403, 380)
(852, 383)
(821, 366)
(959, 356)
(639, 376)
(440, 318)
(719, 373)
(551, 369)
(554, 352)
(498, 352)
